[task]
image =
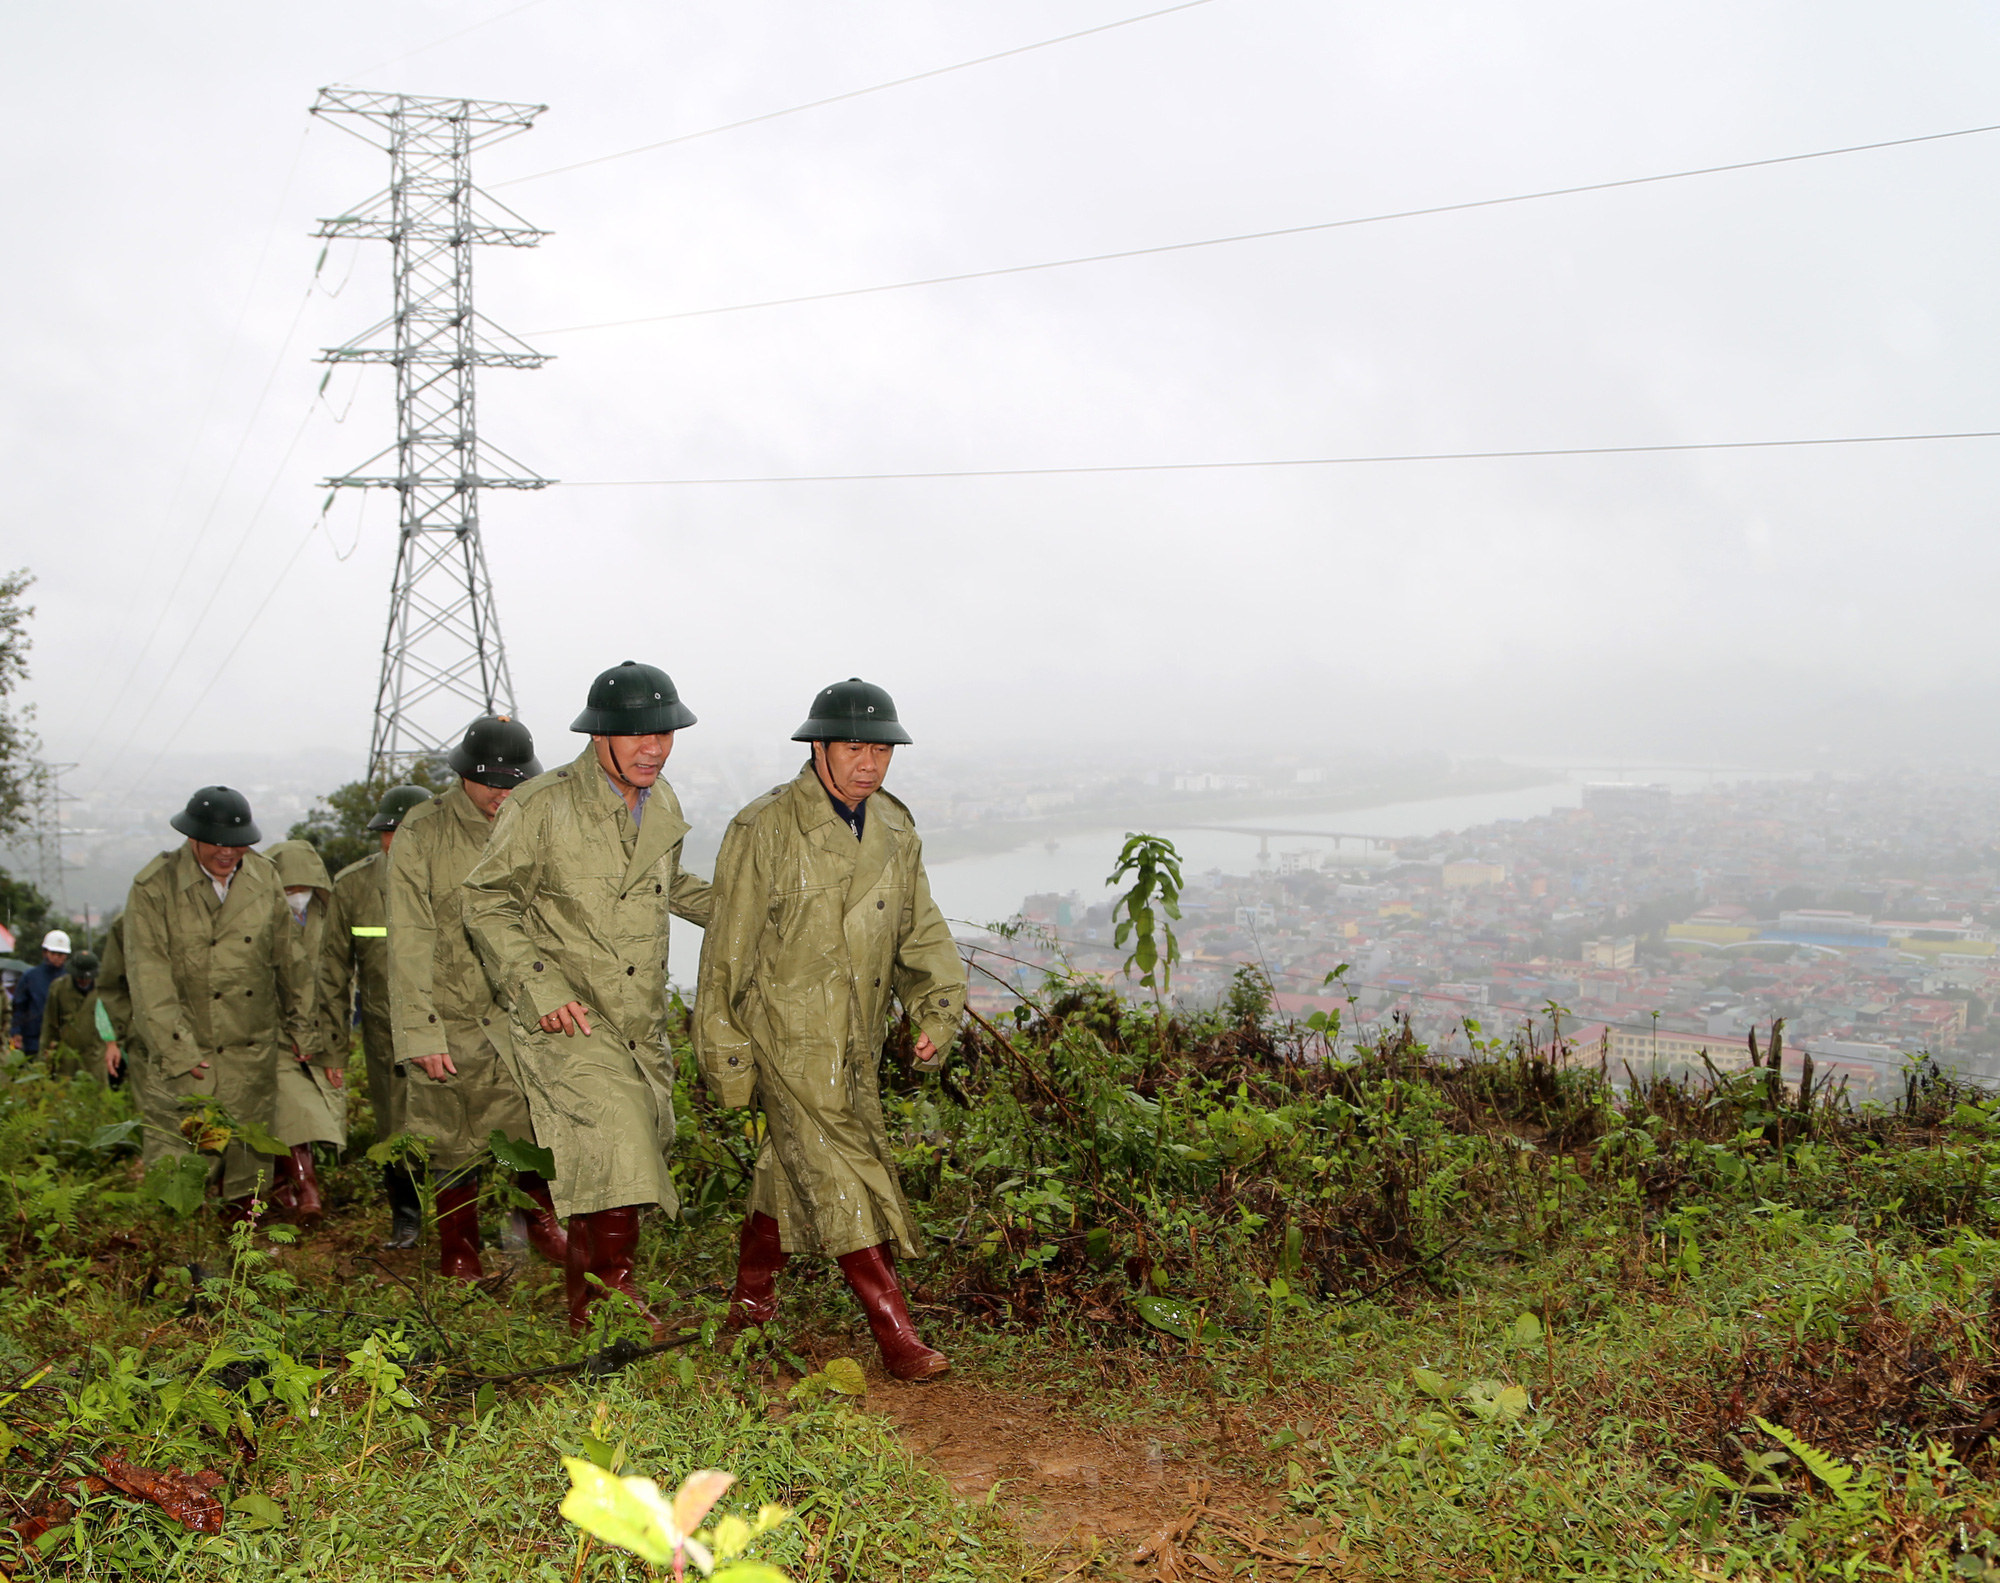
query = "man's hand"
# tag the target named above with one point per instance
(334, 1076)
(113, 1061)
(299, 1055)
(571, 1019)
(927, 1053)
(437, 1067)
(15, 1043)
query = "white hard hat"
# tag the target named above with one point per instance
(56, 940)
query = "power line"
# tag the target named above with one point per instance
(241, 637)
(194, 444)
(165, 605)
(1289, 461)
(857, 93)
(1264, 236)
(133, 723)
(421, 49)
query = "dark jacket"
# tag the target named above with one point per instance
(31, 998)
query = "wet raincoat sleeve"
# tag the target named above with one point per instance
(413, 1011)
(296, 991)
(158, 1013)
(929, 973)
(499, 891)
(728, 962)
(693, 898)
(333, 986)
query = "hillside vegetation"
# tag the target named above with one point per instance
(1386, 1315)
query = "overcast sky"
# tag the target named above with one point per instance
(164, 446)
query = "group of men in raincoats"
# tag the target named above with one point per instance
(507, 953)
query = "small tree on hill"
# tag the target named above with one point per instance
(1155, 868)
(337, 825)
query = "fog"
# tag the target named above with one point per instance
(1824, 605)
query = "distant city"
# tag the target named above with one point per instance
(1668, 925)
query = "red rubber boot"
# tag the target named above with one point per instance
(540, 1227)
(458, 1231)
(873, 1280)
(306, 1206)
(614, 1246)
(759, 1258)
(576, 1269)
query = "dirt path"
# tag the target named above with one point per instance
(1077, 1492)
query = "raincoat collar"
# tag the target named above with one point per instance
(467, 810)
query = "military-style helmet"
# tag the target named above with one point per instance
(497, 751)
(397, 801)
(299, 864)
(852, 711)
(220, 816)
(633, 700)
(83, 965)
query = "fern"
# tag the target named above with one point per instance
(1853, 1487)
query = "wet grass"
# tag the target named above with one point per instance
(1479, 1317)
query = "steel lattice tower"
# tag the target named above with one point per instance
(443, 660)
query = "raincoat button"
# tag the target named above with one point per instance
(538, 967)
(878, 983)
(734, 1062)
(631, 1044)
(657, 889)
(485, 1022)
(880, 905)
(218, 994)
(630, 971)
(434, 1016)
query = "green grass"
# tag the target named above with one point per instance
(1456, 1319)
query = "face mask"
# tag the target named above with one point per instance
(299, 903)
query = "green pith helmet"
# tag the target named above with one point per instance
(396, 802)
(83, 965)
(633, 700)
(220, 816)
(852, 711)
(299, 864)
(497, 751)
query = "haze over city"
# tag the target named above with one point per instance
(1819, 606)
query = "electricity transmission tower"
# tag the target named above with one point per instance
(443, 660)
(45, 832)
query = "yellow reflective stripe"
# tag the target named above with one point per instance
(365, 931)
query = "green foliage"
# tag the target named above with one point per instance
(632, 1514)
(337, 825)
(20, 772)
(1155, 868)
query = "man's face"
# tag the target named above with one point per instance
(55, 958)
(487, 799)
(637, 761)
(220, 861)
(85, 980)
(390, 835)
(853, 770)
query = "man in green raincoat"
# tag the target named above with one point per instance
(822, 912)
(312, 1097)
(452, 1037)
(570, 909)
(71, 1042)
(354, 967)
(125, 1056)
(221, 990)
